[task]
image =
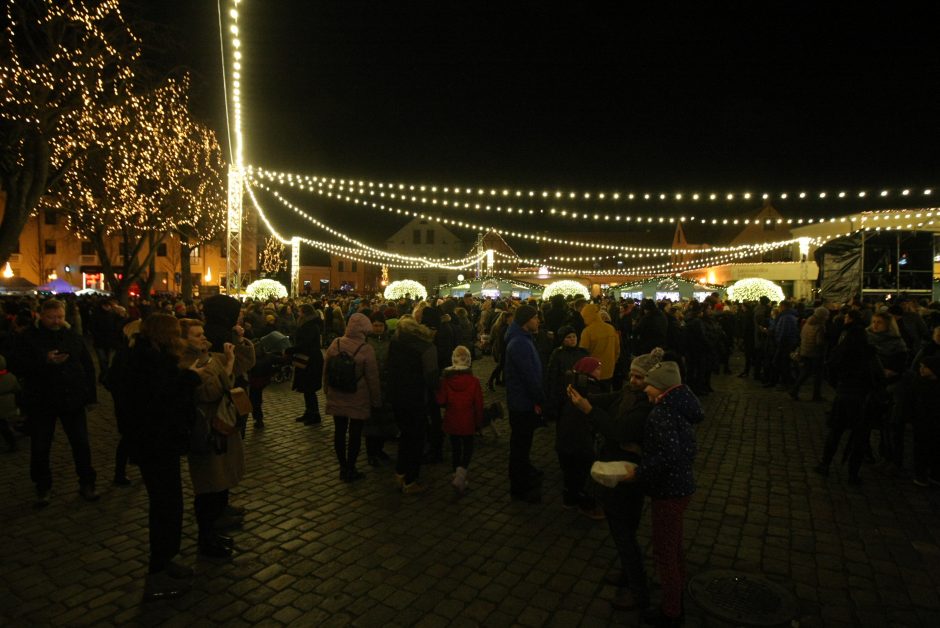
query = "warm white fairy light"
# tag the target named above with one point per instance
(645, 251)
(599, 195)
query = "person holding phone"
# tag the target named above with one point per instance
(58, 382)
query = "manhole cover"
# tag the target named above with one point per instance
(742, 599)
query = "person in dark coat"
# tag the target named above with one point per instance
(445, 342)
(620, 418)
(650, 329)
(858, 376)
(556, 317)
(58, 378)
(157, 400)
(574, 440)
(562, 360)
(412, 376)
(308, 363)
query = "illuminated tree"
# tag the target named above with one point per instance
(133, 190)
(272, 257)
(200, 196)
(66, 65)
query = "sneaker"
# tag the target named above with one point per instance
(413, 489)
(301, 419)
(921, 482)
(88, 493)
(259, 425)
(315, 420)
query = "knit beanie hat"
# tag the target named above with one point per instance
(821, 312)
(564, 330)
(587, 365)
(524, 313)
(460, 358)
(643, 363)
(664, 376)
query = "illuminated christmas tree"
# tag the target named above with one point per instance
(66, 67)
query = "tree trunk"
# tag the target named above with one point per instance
(24, 191)
(186, 270)
(147, 286)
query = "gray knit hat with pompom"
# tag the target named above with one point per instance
(643, 363)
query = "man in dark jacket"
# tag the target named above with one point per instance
(524, 396)
(787, 336)
(58, 381)
(650, 331)
(445, 342)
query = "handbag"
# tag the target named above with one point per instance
(242, 402)
(234, 404)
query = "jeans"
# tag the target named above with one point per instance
(42, 429)
(165, 515)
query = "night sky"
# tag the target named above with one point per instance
(575, 95)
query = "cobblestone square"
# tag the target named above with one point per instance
(317, 552)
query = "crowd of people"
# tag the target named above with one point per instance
(620, 380)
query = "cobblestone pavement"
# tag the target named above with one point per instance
(317, 552)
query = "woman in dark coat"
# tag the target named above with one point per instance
(156, 397)
(308, 363)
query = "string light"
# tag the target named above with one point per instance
(644, 251)
(357, 190)
(365, 253)
(467, 192)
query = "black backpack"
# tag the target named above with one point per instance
(341, 370)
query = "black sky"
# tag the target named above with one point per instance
(638, 97)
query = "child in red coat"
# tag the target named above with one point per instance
(461, 396)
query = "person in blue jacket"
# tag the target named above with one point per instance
(524, 396)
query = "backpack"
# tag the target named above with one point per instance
(341, 370)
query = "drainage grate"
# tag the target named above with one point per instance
(742, 599)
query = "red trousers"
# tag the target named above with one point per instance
(667, 550)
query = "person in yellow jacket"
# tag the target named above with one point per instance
(601, 341)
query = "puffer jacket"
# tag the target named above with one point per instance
(600, 339)
(669, 446)
(461, 396)
(368, 394)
